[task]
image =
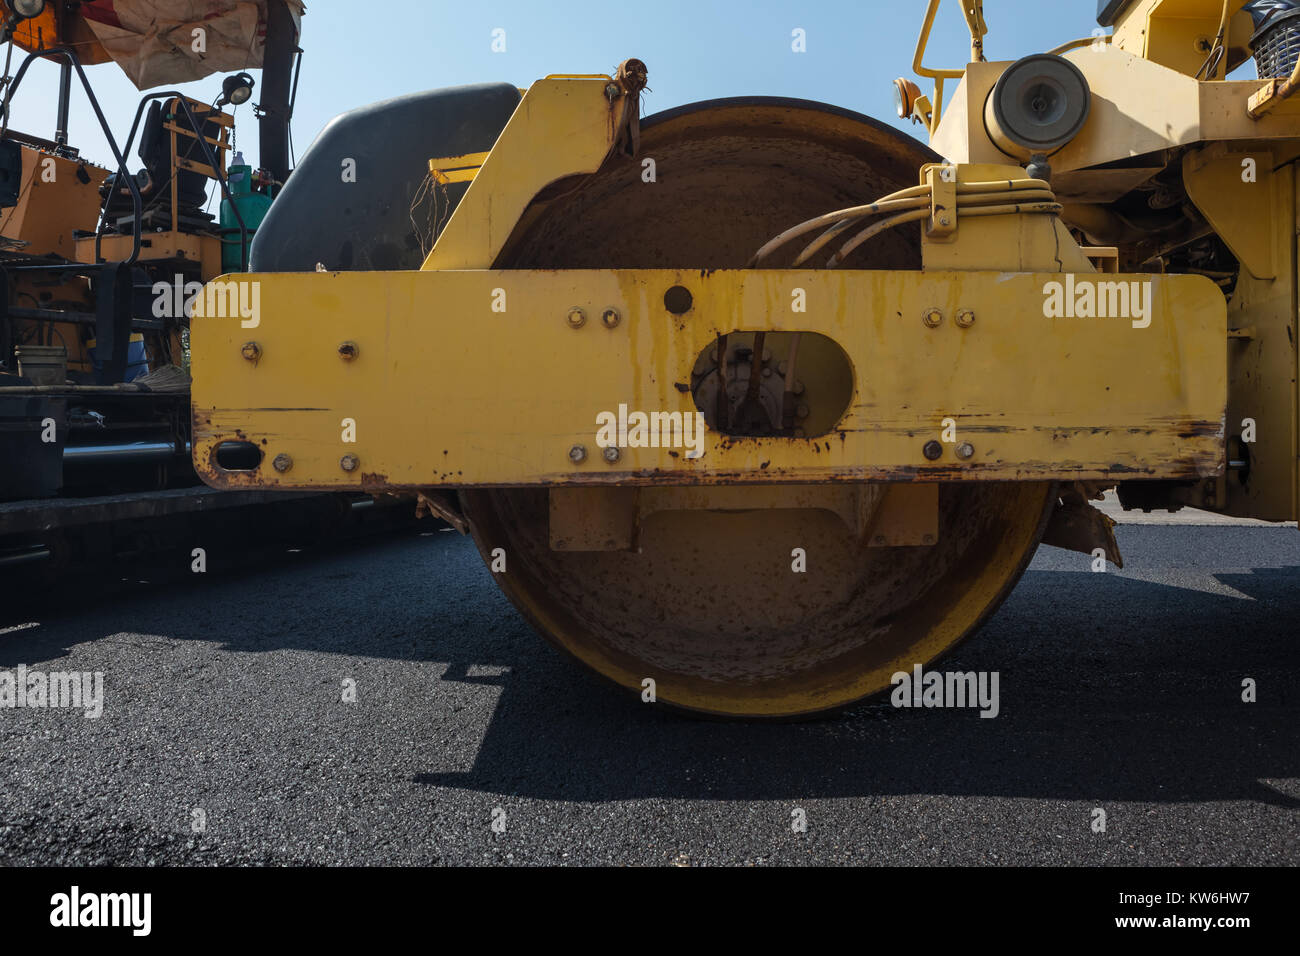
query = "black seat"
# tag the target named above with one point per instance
(155, 152)
(154, 180)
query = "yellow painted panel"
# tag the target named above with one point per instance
(445, 391)
(562, 127)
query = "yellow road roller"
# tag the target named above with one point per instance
(750, 404)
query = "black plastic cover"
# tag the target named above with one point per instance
(32, 468)
(366, 225)
(1263, 12)
(1108, 11)
(11, 173)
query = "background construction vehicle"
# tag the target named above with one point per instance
(97, 267)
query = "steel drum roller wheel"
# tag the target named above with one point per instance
(709, 607)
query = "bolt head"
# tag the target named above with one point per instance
(577, 454)
(932, 318)
(282, 462)
(251, 351)
(610, 318)
(612, 454)
(932, 450)
(349, 463)
(927, 539)
(348, 351)
(965, 450)
(577, 318)
(965, 319)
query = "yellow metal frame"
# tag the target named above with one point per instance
(457, 376)
(1179, 34)
(973, 12)
(564, 126)
(1173, 110)
(1237, 142)
(445, 391)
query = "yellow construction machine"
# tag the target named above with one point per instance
(751, 404)
(97, 268)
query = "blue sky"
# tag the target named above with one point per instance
(694, 50)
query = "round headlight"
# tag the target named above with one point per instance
(1038, 105)
(906, 93)
(27, 8)
(236, 89)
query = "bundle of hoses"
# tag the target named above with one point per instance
(997, 198)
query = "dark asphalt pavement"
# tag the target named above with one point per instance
(1119, 691)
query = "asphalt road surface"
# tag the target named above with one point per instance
(222, 710)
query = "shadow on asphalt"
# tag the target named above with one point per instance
(1111, 688)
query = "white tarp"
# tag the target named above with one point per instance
(161, 42)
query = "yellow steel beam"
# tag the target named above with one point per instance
(564, 126)
(456, 169)
(480, 377)
(1237, 193)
